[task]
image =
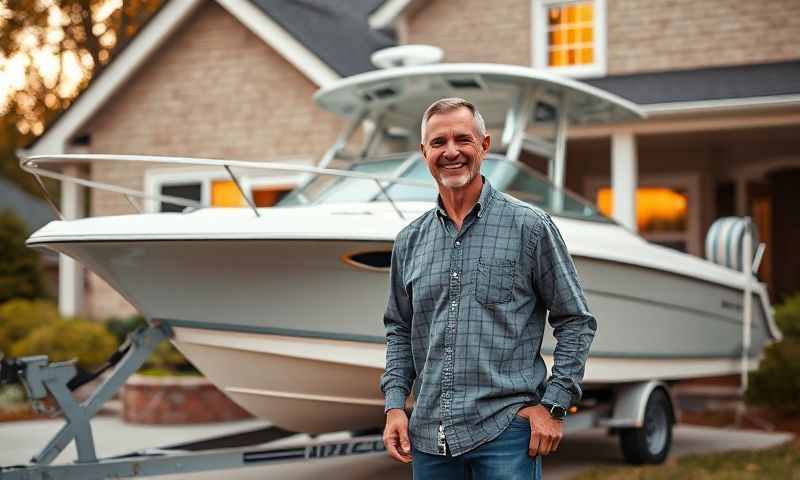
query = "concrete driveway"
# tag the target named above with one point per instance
(581, 450)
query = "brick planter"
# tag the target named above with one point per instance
(176, 400)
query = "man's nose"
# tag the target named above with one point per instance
(450, 151)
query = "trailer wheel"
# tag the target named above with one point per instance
(651, 442)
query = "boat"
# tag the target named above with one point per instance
(282, 307)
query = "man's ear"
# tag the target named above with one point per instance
(486, 143)
(422, 149)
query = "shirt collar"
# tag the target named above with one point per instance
(487, 192)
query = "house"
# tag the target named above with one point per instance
(719, 80)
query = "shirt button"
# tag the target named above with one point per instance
(458, 244)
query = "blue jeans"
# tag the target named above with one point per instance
(504, 458)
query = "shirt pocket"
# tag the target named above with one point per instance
(494, 280)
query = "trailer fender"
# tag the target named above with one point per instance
(630, 401)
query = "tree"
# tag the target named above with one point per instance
(49, 52)
(20, 276)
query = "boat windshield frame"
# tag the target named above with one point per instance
(406, 163)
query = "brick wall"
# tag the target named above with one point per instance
(475, 30)
(643, 35)
(679, 34)
(214, 90)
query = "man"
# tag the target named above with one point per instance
(472, 282)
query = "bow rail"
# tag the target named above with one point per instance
(36, 165)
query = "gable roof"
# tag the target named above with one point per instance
(706, 84)
(322, 39)
(338, 34)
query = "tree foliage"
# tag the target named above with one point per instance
(49, 52)
(20, 274)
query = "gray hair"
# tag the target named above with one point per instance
(445, 105)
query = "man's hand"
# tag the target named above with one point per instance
(546, 432)
(395, 435)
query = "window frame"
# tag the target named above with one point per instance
(539, 40)
(154, 179)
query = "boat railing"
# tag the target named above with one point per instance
(37, 166)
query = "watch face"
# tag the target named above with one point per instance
(558, 411)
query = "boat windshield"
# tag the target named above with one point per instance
(513, 178)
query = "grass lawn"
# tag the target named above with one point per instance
(782, 462)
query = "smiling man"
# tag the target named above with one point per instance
(472, 282)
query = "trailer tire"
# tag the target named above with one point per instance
(651, 442)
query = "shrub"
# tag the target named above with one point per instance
(18, 318)
(787, 316)
(89, 342)
(777, 382)
(20, 276)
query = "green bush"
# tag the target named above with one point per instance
(61, 340)
(18, 318)
(776, 384)
(20, 276)
(787, 316)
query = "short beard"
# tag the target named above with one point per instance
(456, 182)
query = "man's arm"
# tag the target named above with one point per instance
(556, 283)
(399, 373)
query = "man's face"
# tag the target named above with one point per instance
(453, 148)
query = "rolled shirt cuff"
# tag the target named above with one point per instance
(555, 395)
(395, 398)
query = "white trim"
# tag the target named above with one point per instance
(387, 14)
(146, 42)
(657, 109)
(693, 123)
(539, 41)
(279, 39)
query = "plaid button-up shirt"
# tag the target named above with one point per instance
(466, 316)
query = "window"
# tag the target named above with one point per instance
(569, 37)
(215, 188)
(667, 209)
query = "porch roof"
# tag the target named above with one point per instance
(703, 84)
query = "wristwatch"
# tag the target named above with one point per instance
(557, 412)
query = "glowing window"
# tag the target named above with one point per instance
(570, 34)
(224, 193)
(657, 209)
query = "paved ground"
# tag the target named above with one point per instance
(20, 440)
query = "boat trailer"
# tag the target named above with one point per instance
(45, 382)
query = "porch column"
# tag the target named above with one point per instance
(624, 173)
(70, 272)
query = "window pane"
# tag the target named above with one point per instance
(572, 13)
(585, 12)
(657, 209)
(571, 57)
(554, 16)
(587, 35)
(572, 35)
(225, 194)
(587, 56)
(189, 191)
(268, 197)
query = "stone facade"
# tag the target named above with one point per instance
(215, 90)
